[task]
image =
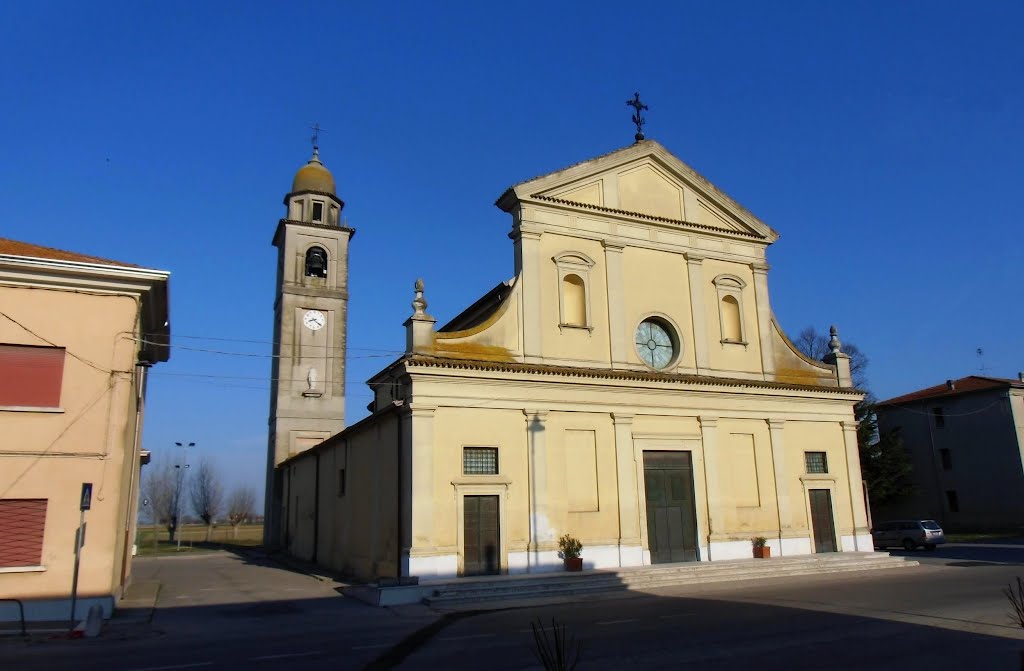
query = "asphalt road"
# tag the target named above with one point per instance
(948, 613)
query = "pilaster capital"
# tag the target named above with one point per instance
(776, 424)
(525, 233)
(419, 410)
(611, 246)
(622, 419)
(694, 258)
(849, 425)
(760, 267)
(708, 422)
(532, 416)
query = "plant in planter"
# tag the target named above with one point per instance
(569, 550)
(761, 549)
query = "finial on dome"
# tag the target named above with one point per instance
(834, 345)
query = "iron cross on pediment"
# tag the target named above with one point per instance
(638, 118)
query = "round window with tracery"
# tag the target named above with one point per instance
(656, 343)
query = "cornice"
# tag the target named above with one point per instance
(428, 361)
(679, 223)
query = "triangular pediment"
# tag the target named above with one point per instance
(644, 181)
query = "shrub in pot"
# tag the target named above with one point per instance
(761, 549)
(569, 550)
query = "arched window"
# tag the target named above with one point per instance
(316, 262)
(573, 289)
(731, 329)
(730, 308)
(574, 295)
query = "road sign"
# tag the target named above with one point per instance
(86, 503)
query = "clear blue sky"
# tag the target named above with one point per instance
(882, 140)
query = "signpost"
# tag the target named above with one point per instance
(85, 503)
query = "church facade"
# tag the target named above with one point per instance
(628, 386)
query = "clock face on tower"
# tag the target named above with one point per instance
(314, 320)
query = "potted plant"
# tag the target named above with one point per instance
(569, 550)
(761, 549)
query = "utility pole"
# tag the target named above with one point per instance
(177, 492)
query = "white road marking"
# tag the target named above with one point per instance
(617, 621)
(175, 666)
(286, 654)
(463, 638)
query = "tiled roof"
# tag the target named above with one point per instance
(964, 385)
(17, 248)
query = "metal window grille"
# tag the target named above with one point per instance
(816, 462)
(480, 460)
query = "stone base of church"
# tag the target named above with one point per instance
(431, 566)
(858, 543)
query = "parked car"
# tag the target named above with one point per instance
(908, 534)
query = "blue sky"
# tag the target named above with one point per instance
(882, 140)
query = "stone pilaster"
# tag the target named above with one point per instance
(782, 499)
(537, 446)
(861, 532)
(626, 478)
(418, 473)
(615, 288)
(529, 251)
(695, 274)
(764, 318)
(709, 440)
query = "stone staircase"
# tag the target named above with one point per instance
(467, 593)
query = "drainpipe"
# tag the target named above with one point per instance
(142, 369)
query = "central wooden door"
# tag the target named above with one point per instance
(822, 524)
(481, 545)
(671, 512)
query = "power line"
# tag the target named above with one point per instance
(273, 342)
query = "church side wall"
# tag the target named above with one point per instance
(356, 514)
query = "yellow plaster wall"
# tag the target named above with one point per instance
(455, 428)
(598, 526)
(497, 338)
(740, 516)
(359, 531)
(657, 284)
(731, 356)
(824, 437)
(578, 344)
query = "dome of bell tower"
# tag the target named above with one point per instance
(314, 177)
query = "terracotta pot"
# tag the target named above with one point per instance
(574, 563)
(762, 552)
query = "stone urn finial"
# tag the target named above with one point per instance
(834, 345)
(419, 303)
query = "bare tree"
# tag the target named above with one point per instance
(815, 346)
(241, 506)
(160, 489)
(207, 493)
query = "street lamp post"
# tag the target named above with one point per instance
(177, 492)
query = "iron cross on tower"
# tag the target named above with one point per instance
(316, 135)
(637, 117)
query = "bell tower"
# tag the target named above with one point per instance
(307, 388)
